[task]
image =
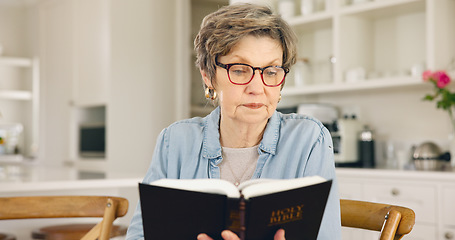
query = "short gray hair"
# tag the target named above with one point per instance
(222, 30)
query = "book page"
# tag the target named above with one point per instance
(217, 186)
(267, 186)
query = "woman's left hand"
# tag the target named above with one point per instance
(229, 235)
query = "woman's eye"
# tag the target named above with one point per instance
(271, 73)
(238, 72)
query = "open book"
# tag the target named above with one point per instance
(255, 210)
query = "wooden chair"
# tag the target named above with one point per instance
(392, 221)
(105, 207)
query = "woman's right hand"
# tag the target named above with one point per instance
(229, 235)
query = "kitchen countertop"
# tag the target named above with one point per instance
(448, 176)
(21, 178)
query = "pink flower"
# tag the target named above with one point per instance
(441, 78)
(426, 75)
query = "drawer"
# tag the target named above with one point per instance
(448, 206)
(350, 190)
(419, 232)
(422, 232)
(447, 234)
(418, 197)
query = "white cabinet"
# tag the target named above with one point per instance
(420, 197)
(381, 41)
(427, 193)
(19, 98)
(447, 234)
(422, 232)
(120, 57)
(448, 218)
(75, 45)
(448, 200)
(57, 61)
(92, 52)
(82, 28)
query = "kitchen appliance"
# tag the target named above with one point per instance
(345, 142)
(326, 113)
(92, 140)
(366, 148)
(344, 132)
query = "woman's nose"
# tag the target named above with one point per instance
(256, 84)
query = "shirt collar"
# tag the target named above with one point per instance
(211, 147)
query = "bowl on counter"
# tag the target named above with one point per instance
(427, 157)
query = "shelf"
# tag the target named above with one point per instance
(346, 87)
(13, 158)
(15, 62)
(384, 8)
(311, 22)
(15, 95)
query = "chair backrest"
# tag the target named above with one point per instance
(392, 221)
(105, 207)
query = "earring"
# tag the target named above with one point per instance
(279, 99)
(210, 93)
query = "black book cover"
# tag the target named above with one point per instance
(170, 213)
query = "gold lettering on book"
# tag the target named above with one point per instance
(234, 220)
(285, 215)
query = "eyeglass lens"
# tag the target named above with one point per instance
(242, 74)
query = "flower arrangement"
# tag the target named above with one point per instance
(442, 95)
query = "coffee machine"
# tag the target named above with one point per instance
(345, 142)
(344, 131)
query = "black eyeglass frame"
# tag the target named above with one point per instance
(228, 66)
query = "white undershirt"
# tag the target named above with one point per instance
(238, 164)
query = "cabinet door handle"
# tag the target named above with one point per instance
(448, 235)
(395, 192)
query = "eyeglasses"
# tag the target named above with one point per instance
(242, 74)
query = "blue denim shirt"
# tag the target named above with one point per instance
(292, 146)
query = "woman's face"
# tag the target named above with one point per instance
(253, 103)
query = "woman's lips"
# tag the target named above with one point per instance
(253, 105)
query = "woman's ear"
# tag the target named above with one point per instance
(207, 80)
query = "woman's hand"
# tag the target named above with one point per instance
(229, 235)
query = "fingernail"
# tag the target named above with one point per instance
(226, 235)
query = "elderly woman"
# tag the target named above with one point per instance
(244, 52)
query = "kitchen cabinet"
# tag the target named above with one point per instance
(121, 60)
(91, 40)
(417, 196)
(448, 220)
(58, 74)
(85, 26)
(389, 42)
(19, 89)
(74, 44)
(427, 193)
(447, 234)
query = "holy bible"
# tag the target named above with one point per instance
(255, 210)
